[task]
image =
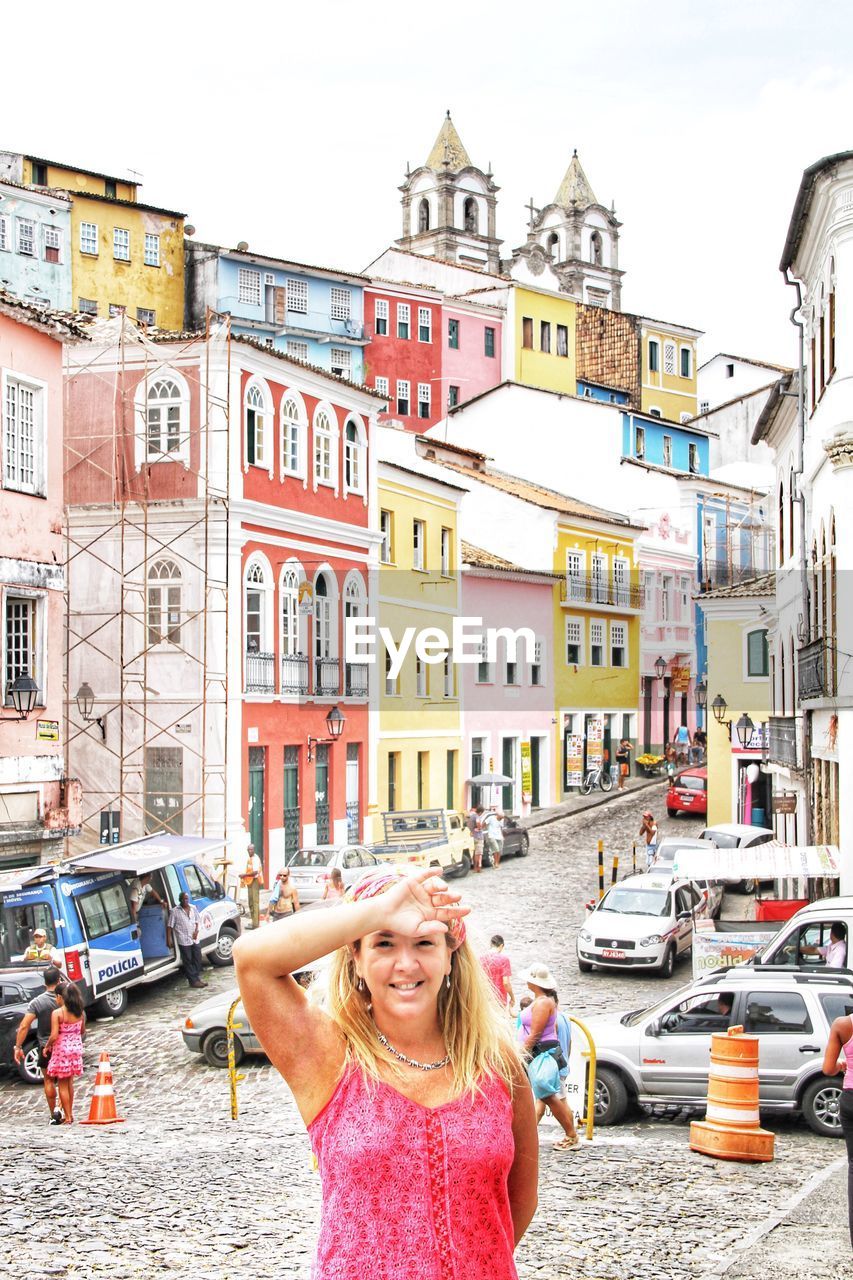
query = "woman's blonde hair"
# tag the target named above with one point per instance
(477, 1032)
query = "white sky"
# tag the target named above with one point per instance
(290, 126)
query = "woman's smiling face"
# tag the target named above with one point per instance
(402, 974)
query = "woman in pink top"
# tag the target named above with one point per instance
(408, 1081)
(839, 1057)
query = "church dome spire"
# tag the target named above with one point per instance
(574, 191)
(448, 149)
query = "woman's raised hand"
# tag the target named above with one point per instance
(419, 905)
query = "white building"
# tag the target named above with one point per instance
(726, 377)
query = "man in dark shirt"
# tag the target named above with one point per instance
(39, 1011)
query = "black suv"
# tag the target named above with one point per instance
(17, 988)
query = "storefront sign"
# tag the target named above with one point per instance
(526, 769)
(680, 679)
(784, 802)
(594, 742)
(723, 950)
(47, 730)
(574, 760)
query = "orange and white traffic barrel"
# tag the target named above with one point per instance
(732, 1128)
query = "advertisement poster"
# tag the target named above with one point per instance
(574, 760)
(594, 741)
(47, 730)
(526, 770)
(715, 950)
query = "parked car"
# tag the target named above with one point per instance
(662, 1054)
(17, 989)
(737, 835)
(516, 841)
(644, 921)
(688, 792)
(311, 867)
(666, 859)
(427, 838)
(809, 928)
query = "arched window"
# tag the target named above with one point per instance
(815, 593)
(257, 622)
(326, 679)
(258, 443)
(294, 426)
(423, 215)
(470, 215)
(831, 317)
(257, 640)
(595, 248)
(554, 244)
(757, 657)
(780, 524)
(793, 702)
(163, 420)
(783, 692)
(325, 447)
(289, 594)
(354, 457)
(164, 602)
(791, 512)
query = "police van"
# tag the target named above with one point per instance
(83, 904)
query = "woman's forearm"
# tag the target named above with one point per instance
(295, 943)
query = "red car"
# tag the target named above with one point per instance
(688, 792)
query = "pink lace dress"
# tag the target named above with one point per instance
(66, 1058)
(413, 1192)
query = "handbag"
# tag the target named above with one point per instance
(544, 1075)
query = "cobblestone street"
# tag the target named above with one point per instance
(180, 1189)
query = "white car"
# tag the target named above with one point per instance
(666, 859)
(310, 868)
(737, 835)
(643, 922)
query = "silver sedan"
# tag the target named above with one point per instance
(311, 868)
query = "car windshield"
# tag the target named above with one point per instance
(723, 840)
(311, 858)
(637, 902)
(690, 783)
(668, 1002)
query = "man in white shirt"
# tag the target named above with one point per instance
(183, 925)
(834, 952)
(493, 833)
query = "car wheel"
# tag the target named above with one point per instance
(222, 954)
(821, 1106)
(585, 966)
(672, 813)
(524, 846)
(28, 1068)
(215, 1049)
(611, 1097)
(463, 866)
(112, 1004)
(668, 965)
(606, 781)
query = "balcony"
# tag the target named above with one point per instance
(260, 673)
(355, 680)
(294, 673)
(720, 573)
(320, 325)
(782, 741)
(588, 589)
(327, 678)
(813, 670)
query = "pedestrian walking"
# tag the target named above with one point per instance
(838, 1058)
(623, 762)
(477, 829)
(682, 743)
(493, 837)
(649, 833)
(334, 888)
(65, 1046)
(251, 881)
(539, 1039)
(498, 969)
(39, 1011)
(408, 1079)
(284, 899)
(183, 925)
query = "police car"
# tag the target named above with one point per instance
(643, 922)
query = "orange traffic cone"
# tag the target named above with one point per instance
(103, 1108)
(731, 1128)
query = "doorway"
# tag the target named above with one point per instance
(535, 772)
(257, 779)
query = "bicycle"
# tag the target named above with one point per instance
(597, 776)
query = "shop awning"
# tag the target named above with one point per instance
(769, 861)
(150, 853)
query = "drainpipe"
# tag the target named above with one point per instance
(803, 562)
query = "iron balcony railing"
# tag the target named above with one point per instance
(813, 669)
(327, 678)
(782, 741)
(355, 680)
(294, 673)
(586, 588)
(260, 673)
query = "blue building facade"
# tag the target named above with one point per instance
(665, 444)
(35, 246)
(310, 313)
(606, 395)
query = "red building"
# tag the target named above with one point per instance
(222, 502)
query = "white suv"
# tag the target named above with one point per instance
(662, 1055)
(643, 922)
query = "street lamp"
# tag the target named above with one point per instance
(719, 707)
(700, 693)
(23, 691)
(86, 704)
(660, 668)
(335, 722)
(744, 730)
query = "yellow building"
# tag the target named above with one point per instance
(420, 723)
(544, 338)
(738, 681)
(668, 370)
(596, 638)
(125, 255)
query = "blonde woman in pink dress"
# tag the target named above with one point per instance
(65, 1046)
(408, 1079)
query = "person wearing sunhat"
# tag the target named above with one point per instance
(539, 1035)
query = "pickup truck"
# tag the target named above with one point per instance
(428, 838)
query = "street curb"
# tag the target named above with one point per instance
(776, 1219)
(609, 797)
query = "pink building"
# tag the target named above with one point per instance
(667, 631)
(508, 718)
(37, 802)
(472, 349)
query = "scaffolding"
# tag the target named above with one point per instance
(736, 543)
(147, 519)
